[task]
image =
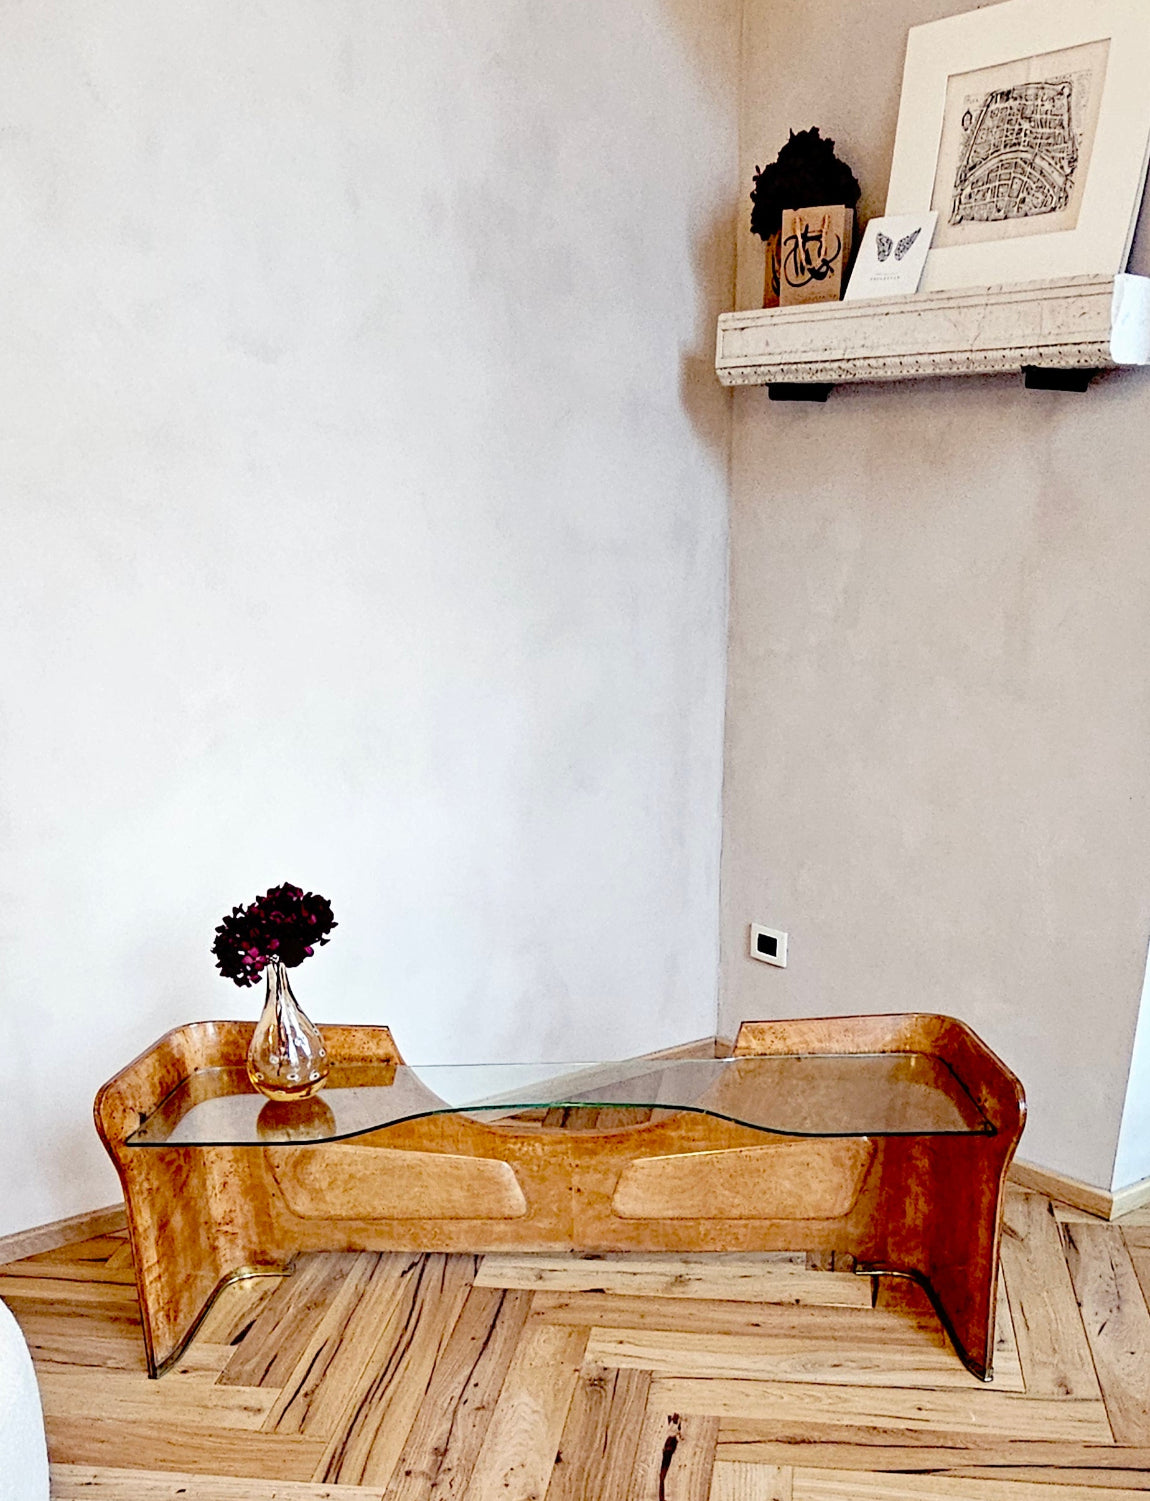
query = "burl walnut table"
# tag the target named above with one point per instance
(884, 1137)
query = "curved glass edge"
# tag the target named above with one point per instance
(503, 1109)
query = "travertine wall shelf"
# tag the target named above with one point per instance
(1083, 323)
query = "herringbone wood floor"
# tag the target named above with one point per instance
(619, 1379)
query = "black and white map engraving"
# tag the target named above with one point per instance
(1020, 151)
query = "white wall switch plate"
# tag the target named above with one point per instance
(769, 945)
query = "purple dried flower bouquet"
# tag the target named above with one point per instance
(286, 923)
(286, 1059)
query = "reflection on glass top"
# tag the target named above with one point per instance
(823, 1094)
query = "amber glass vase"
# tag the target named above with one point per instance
(287, 1059)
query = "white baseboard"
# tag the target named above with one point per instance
(1099, 1201)
(1127, 1200)
(60, 1232)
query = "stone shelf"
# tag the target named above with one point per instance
(1080, 324)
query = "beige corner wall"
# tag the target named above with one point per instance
(937, 774)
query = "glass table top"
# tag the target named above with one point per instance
(819, 1094)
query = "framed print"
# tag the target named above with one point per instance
(1025, 127)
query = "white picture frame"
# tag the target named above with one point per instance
(999, 47)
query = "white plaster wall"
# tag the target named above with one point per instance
(1132, 1162)
(938, 704)
(363, 485)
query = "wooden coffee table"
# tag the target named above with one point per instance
(886, 1138)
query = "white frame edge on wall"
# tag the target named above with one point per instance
(1099, 244)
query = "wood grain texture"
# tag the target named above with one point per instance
(517, 1456)
(854, 1485)
(800, 1180)
(752, 1443)
(284, 1325)
(382, 1407)
(417, 1185)
(910, 1362)
(96, 1438)
(808, 1410)
(1097, 1203)
(747, 1278)
(193, 1398)
(675, 1455)
(75, 1228)
(742, 1482)
(1052, 1344)
(81, 1482)
(606, 1181)
(1117, 1324)
(439, 1455)
(596, 1454)
(1140, 1260)
(402, 1360)
(769, 1321)
(1129, 1480)
(332, 1365)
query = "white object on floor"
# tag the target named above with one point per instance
(23, 1451)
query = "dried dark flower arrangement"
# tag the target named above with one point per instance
(286, 923)
(805, 174)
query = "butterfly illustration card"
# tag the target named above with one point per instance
(891, 257)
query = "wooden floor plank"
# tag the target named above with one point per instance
(79, 1482)
(332, 1363)
(381, 1410)
(281, 1330)
(870, 1326)
(1117, 1323)
(675, 1456)
(192, 1399)
(1140, 1257)
(518, 1451)
(439, 1454)
(904, 1359)
(1052, 1346)
(234, 1311)
(69, 1270)
(596, 1454)
(749, 1442)
(741, 1482)
(95, 1249)
(647, 1378)
(1123, 1480)
(1008, 1375)
(78, 1349)
(57, 1290)
(199, 1358)
(744, 1278)
(794, 1409)
(170, 1445)
(857, 1485)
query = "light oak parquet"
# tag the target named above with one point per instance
(751, 1279)
(401, 1377)
(1117, 1323)
(596, 1455)
(742, 1482)
(829, 1485)
(440, 1451)
(91, 1483)
(1047, 1324)
(675, 1455)
(382, 1407)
